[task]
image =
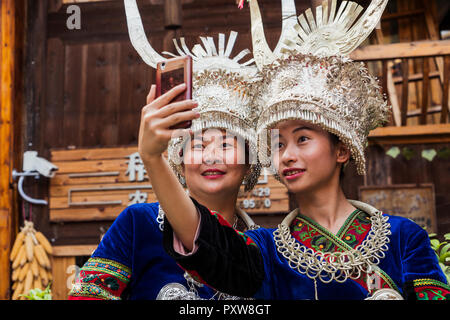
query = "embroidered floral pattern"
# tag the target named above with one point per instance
(430, 289)
(101, 279)
(314, 236)
(223, 222)
(350, 235)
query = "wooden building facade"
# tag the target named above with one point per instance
(75, 90)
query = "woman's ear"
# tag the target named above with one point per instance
(342, 153)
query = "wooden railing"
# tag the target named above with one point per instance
(415, 78)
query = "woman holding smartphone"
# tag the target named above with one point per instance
(316, 111)
(130, 262)
(211, 159)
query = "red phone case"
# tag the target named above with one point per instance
(171, 73)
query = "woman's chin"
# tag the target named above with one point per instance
(295, 186)
(210, 187)
(214, 187)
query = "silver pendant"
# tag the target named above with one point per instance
(385, 294)
(175, 291)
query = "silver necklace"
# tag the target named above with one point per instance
(339, 266)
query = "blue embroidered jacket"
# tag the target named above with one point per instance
(130, 262)
(251, 265)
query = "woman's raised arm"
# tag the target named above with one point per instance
(154, 135)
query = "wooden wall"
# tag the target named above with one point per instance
(384, 170)
(11, 52)
(85, 88)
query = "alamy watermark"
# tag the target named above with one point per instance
(73, 21)
(225, 144)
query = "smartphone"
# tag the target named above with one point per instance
(169, 74)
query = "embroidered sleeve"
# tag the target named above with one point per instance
(422, 275)
(429, 289)
(100, 279)
(225, 259)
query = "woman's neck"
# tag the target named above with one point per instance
(327, 206)
(223, 204)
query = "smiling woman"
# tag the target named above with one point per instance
(214, 163)
(329, 247)
(209, 159)
(320, 153)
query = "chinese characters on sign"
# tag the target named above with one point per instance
(136, 172)
(136, 169)
(97, 184)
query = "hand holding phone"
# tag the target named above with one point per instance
(171, 73)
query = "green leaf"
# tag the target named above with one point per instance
(447, 236)
(431, 235)
(408, 153)
(429, 154)
(435, 244)
(393, 152)
(443, 257)
(445, 249)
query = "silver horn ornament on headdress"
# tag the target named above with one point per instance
(329, 33)
(219, 86)
(311, 77)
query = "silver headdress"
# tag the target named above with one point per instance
(221, 86)
(311, 78)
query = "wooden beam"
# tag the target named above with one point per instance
(392, 92)
(432, 133)
(445, 91)
(7, 102)
(172, 14)
(81, 1)
(405, 90)
(416, 77)
(418, 112)
(433, 32)
(416, 49)
(74, 251)
(62, 279)
(425, 90)
(397, 15)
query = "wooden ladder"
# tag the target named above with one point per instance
(406, 73)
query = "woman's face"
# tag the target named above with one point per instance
(304, 156)
(214, 162)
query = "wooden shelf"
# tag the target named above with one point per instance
(432, 133)
(416, 49)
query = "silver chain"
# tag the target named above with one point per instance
(339, 266)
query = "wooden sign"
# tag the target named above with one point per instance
(412, 201)
(97, 184)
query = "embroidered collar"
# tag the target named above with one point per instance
(336, 265)
(313, 235)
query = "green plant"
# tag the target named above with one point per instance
(38, 294)
(442, 250)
